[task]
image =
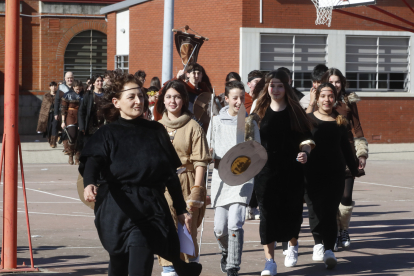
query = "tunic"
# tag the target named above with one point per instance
(191, 146)
(223, 138)
(47, 123)
(137, 162)
(279, 186)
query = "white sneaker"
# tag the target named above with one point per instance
(255, 213)
(346, 240)
(169, 274)
(270, 268)
(318, 251)
(291, 258)
(329, 259)
(249, 214)
(338, 241)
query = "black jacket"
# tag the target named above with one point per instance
(84, 113)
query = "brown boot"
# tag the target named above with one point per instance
(77, 155)
(53, 141)
(70, 159)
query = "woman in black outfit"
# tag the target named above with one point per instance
(325, 172)
(126, 167)
(285, 134)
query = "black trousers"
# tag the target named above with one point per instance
(137, 262)
(322, 209)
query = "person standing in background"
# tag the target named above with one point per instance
(47, 124)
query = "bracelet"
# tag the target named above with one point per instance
(196, 186)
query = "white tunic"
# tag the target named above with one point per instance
(223, 139)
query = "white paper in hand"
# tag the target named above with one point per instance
(186, 241)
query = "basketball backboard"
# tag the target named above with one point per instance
(339, 4)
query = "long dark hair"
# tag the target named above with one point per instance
(298, 119)
(180, 88)
(114, 90)
(94, 78)
(340, 120)
(342, 93)
(155, 81)
(233, 75)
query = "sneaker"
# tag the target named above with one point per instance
(232, 272)
(255, 213)
(169, 273)
(346, 240)
(337, 243)
(223, 262)
(270, 268)
(291, 258)
(329, 259)
(318, 251)
(249, 214)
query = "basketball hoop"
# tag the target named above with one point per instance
(324, 11)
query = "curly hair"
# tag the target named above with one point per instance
(115, 90)
(180, 88)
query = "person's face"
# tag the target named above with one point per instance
(69, 79)
(252, 84)
(131, 103)
(77, 89)
(106, 80)
(336, 81)
(315, 84)
(276, 90)
(326, 99)
(98, 83)
(53, 88)
(173, 101)
(235, 100)
(195, 77)
(154, 98)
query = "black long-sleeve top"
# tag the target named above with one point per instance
(132, 162)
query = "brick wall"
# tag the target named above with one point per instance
(41, 58)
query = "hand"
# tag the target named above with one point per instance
(180, 73)
(56, 117)
(63, 125)
(312, 96)
(362, 162)
(302, 157)
(89, 193)
(185, 219)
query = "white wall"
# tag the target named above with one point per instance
(250, 51)
(122, 38)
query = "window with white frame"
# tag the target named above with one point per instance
(122, 62)
(378, 63)
(298, 53)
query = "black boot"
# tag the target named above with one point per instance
(187, 269)
(232, 272)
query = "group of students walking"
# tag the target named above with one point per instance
(147, 178)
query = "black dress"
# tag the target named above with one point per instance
(325, 174)
(279, 186)
(136, 161)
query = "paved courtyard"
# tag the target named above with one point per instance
(65, 241)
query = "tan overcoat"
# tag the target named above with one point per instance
(191, 146)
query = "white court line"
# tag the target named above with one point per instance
(66, 215)
(48, 202)
(385, 185)
(49, 193)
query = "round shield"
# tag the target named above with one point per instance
(201, 109)
(242, 162)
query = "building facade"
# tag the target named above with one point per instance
(55, 37)
(245, 35)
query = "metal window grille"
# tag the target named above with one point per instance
(122, 62)
(298, 53)
(86, 55)
(378, 63)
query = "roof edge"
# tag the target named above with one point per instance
(121, 5)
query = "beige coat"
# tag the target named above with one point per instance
(190, 143)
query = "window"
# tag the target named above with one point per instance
(378, 63)
(298, 53)
(122, 62)
(85, 55)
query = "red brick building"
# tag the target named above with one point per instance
(375, 58)
(55, 37)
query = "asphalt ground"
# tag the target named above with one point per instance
(65, 241)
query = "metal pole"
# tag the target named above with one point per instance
(11, 100)
(167, 47)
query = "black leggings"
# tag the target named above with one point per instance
(142, 261)
(253, 201)
(347, 197)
